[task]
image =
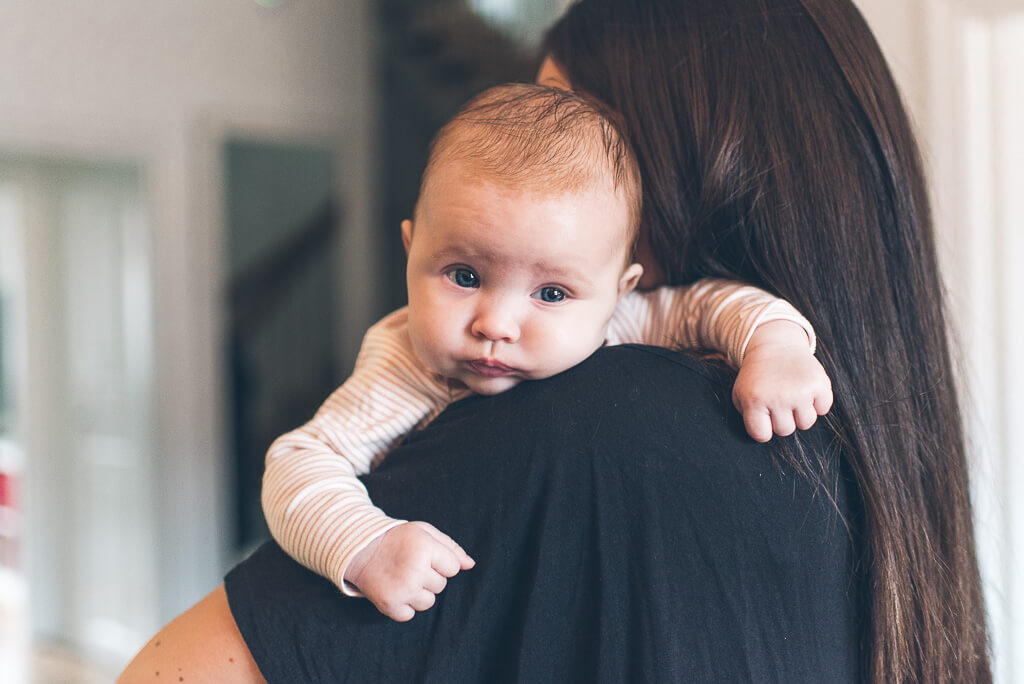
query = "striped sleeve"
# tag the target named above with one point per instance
(715, 314)
(316, 508)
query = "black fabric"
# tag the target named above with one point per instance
(625, 528)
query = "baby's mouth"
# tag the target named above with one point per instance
(490, 368)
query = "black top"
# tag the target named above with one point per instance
(625, 528)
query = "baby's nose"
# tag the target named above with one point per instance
(497, 324)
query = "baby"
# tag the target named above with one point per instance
(520, 265)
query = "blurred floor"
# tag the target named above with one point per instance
(55, 664)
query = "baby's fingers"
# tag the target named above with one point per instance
(783, 423)
(823, 401)
(435, 583)
(398, 613)
(805, 417)
(461, 557)
(758, 422)
(465, 562)
(423, 600)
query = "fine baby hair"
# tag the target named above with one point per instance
(540, 140)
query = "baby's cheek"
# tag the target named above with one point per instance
(571, 347)
(425, 343)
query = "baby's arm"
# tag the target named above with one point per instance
(780, 385)
(321, 514)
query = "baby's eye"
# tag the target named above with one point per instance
(463, 277)
(550, 294)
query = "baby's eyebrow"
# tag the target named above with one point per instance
(460, 253)
(561, 271)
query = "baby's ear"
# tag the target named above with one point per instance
(407, 234)
(630, 277)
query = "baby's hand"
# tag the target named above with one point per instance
(780, 385)
(404, 569)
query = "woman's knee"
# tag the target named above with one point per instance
(202, 644)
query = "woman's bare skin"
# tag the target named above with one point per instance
(202, 644)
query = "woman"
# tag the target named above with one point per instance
(650, 540)
(792, 166)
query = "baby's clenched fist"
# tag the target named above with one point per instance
(780, 386)
(404, 569)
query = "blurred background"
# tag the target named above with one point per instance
(199, 210)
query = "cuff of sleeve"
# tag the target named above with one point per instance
(779, 310)
(356, 542)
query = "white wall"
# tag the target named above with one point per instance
(159, 84)
(899, 30)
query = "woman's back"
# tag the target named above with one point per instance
(647, 539)
(775, 150)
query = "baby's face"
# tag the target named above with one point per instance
(506, 286)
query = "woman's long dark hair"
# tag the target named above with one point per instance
(775, 150)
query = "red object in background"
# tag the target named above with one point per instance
(7, 490)
(9, 520)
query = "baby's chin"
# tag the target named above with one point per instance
(491, 386)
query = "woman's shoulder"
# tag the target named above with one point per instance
(639, 411)
(650, 375)
(674, 409)
(634, 468)
(634, 391)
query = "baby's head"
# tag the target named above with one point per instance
(521, 243)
